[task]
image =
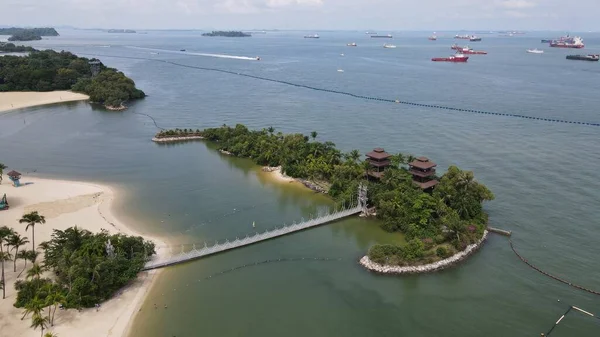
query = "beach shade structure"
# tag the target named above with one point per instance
(3, 203)
(14, 176)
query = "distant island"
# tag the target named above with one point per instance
(121, 31)
(230, 33)
(48, 70)
(27, 34)
(11, 48)
(441, 218)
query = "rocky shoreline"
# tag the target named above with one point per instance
(426, 268)
(175, 139)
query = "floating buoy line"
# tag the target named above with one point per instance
(396, 101)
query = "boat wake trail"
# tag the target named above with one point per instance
(363, 97)
(223, 56)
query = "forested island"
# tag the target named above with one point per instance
(435, 225)
(12, 48)
(27, 34)
(230, 33)
(48, 70)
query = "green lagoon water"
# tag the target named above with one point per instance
(545, 177)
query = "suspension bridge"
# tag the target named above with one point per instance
(329, 216)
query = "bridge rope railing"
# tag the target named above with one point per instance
(550, 275)
(345, 93)
(257, 237)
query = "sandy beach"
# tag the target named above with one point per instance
(66, 204)
(18, 100)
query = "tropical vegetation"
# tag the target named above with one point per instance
(38, 31)
(25, 36)
(49, 70)
(79, 269)
(230, 33)
(435, 225)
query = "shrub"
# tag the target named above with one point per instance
(443, 252)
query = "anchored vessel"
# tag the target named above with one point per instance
(568, 42)
(546, 41)
(387, 36)
(584, 57)
(353, 44)
(470, 51)
(462, 37)
(458, 57)
(474, 38)
(315, 36)
(389, 46)
(535, 51)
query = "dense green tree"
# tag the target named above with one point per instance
(27, 255)
(39, 321)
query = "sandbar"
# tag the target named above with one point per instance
(66, 204)
(24, 99)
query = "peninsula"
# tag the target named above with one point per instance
(227, 33)
(441, 217)
(47, 70)
(27, 34)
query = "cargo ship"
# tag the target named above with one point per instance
(474, 38)
(469, 51)
(458, 57)
(432, 37)
(584, 57)
(463, 37)
(315, 36)
(456, 47)
(568, 42)
(387, 36)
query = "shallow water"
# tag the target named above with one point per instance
(544, 175)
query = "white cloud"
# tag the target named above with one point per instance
(516, 4)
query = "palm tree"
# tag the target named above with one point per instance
(31, 219)
(2, 167)
(35, 307)
(27, 255)
(16, 241)
(39, 321)
(35, 271)
(55, 298)
(271, 129)
(50, 334)
(314, 135)
(4, 256)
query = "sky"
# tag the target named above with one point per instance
(558, 15)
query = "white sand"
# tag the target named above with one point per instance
(278, 176)
(65, 204)
(19, 100)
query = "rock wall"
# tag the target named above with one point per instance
(175, 139)
(426, 268)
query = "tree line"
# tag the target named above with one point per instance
(49, 70)
(86, 269)
(27, 34)
(12, 48)
(435, 225)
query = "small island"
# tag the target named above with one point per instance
(12, 48)
(441, 218)
(48, 70)
(230, 33)
(126, 31)
(27, 34)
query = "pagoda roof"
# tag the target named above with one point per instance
(13, 173)
(426, 185)
(423, 164)
(378, 153)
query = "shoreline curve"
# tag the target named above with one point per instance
(425, 268)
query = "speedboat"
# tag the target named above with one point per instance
(258, 58)
(353, 44)
(340, 70)
(535, 51)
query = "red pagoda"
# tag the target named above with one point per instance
(379, 161)
(423, 172)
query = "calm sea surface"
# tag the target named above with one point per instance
(545, 177)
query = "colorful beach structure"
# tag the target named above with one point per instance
(15, 177)
(3, 203)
